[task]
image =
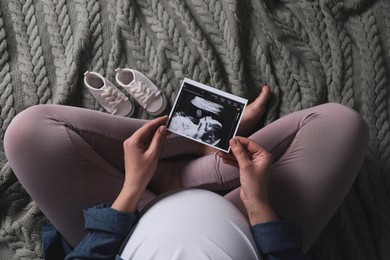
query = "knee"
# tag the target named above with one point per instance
(347, 119)
(351, 118)
(25, 128)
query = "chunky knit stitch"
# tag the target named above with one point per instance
(308, 52)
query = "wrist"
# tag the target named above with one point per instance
(127, 200)
(260, 213)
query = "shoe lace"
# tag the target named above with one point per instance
(143, 93)
(113, 97)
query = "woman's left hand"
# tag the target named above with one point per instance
(254, 163)
(141, 153)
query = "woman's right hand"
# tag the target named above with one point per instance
(141, 152)
(253, 162)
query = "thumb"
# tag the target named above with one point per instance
(240, 153)
(158, 139)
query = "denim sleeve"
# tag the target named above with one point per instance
(279, 240)
(107, 229)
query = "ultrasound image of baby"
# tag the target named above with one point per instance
(199, 125)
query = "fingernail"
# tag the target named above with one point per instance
(233, 142)
(162, 129)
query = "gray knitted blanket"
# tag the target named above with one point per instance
(308, 51)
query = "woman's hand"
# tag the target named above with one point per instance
(253, 162)
(141, 153)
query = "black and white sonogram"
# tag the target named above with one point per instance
(206, 115)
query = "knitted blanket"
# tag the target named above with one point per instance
(308, 51)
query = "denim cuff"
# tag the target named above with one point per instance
(53, 244)
(277, 236)
(106, 219)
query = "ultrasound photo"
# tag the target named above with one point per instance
(206, 115)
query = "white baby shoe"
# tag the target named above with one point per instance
(142, 89)
(108, 95)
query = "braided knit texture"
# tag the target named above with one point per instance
(308, 52)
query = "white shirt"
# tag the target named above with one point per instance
(192, 224)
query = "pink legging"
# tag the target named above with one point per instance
(70, 158)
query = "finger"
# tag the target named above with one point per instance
(256, 152)
(229, 156)
(147, 130)
(158, 138)
(250, 145)
(233, 163)
(239, 152)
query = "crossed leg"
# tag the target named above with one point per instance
(69, 158)
(317, 154)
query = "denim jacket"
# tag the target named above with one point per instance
(108, 228)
